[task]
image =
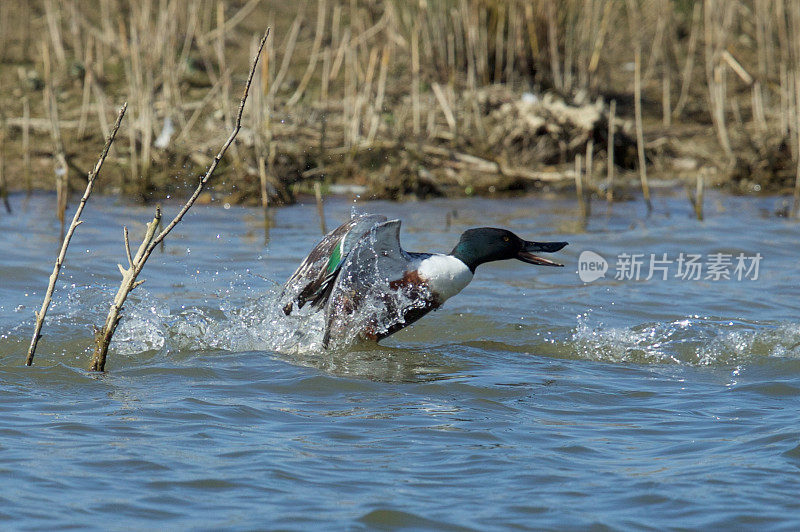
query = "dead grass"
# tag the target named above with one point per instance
(401, 97)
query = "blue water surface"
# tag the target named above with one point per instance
(532, 400)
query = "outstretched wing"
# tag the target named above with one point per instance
(366, 298)
(314, 278)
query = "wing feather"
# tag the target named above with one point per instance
(313, 279)
(365, 279)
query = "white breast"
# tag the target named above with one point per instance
(445, 275)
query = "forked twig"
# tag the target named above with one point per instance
(151, 240)
(75, 223)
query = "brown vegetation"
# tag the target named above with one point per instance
(403, 98)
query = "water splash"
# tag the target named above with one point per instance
(700, 341)
(255, 322)
(371, 298)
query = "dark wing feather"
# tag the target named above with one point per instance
(312, 280)
(366, 279)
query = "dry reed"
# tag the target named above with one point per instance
(579, 190)
(26, 144)
(634, 21)
(61, 167)
(3, 184)
(612, 113)
(698, 196)
(368, 75)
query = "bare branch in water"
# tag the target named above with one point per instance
(151, 239)
(129, 282)
(75, 223)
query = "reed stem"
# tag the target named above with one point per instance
(3, 185)
(320, 207)
(635, 23)
(612, 111)
(698, 196)
(579, 192)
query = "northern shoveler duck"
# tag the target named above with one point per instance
(369, 287)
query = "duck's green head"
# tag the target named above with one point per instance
(486, 244)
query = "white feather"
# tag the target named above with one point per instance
(445, 275)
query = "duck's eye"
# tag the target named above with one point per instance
(505, 239)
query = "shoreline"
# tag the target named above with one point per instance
(377, 96)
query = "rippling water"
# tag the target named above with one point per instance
(532, 399)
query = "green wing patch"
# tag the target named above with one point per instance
(336, 257)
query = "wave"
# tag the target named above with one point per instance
(256, 323)
(696, 340)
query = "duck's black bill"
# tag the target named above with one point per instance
(526, 253)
